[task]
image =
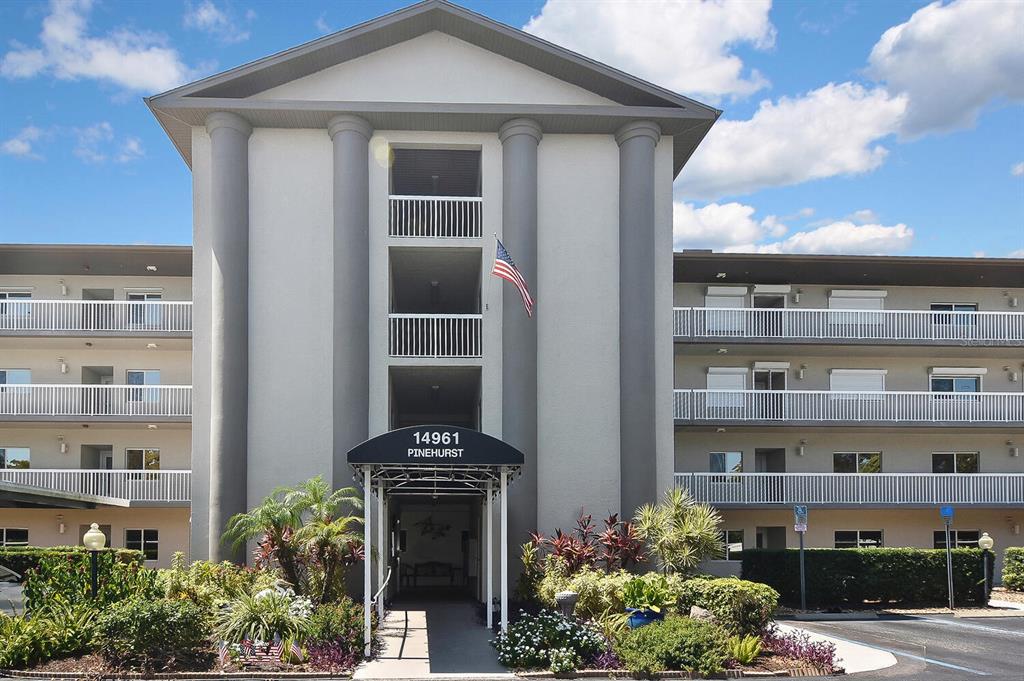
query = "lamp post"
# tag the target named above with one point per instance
(985, 543)
(94, 540)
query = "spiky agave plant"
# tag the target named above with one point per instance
(680, 532)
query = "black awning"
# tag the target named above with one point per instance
(435, 446)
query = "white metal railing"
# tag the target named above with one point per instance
(830, 405)
(97, 316)
(854, 488)
(34, 399)
(435, 335)
(439, 217)
(1003, 328)
(150, 486)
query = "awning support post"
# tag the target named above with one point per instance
(489, 558)
(367, 554)
(504, 549)
(380, 552)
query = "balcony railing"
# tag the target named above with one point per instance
(100, 317)
(117, 401)
(854, 489)
(805, 325)
(126, 486)
(438, 217)
(786, 406)
(435, 335)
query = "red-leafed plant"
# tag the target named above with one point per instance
(618, 546)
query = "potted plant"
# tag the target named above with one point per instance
(645, 599)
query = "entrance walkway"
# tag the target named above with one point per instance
(434, 639)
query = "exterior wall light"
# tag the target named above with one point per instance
(800, 372)
(802, 449)
(62, 444)
(796, 296)
(63, 288)
(62, 364)
(1014, 449)
(61, 527)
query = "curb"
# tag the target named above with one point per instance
(28, 674)
(623, 674)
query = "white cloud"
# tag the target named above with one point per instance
(131, 150)
(209, 18)
(321, 24)
(98, 144)
(842, 237)
(1019, 253)
(683, 46)
(1018, 169)
(950, 60)
(831, 131)
(133, 60)
(720, 226)
(21, 144)
(862, 216)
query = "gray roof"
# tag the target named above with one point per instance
(696, 266)
(685, 119)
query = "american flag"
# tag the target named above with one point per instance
(507, 270)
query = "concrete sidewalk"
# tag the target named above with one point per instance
(461, 647)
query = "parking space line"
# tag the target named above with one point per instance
(980, 627)
(926, 660)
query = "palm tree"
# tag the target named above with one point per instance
(679, 531)
(274, 523)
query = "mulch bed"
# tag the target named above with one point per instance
(765, 666)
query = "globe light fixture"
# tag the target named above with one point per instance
(94, 540)
(985, 543)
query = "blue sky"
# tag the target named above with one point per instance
(880, 127)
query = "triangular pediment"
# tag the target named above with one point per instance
(433, 67)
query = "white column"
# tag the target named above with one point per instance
(381, 557)
(504, 549)
(489, 558)
(367, 551)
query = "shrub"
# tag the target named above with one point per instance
(152, 633)
(209, 584)
(528, 643)
(680, 532)
(599, 592)
(338, 623)
(563, 660)
(1013, 568)
(650, 592)
(61, 630)
(839, 577)
(798, 645)
(66, 577)
(676, 644)
(262, 617)
(744, 649)
(741, 607)
(22, 559)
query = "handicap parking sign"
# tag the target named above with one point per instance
(947, 514)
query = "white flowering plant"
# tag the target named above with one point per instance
(547, 640)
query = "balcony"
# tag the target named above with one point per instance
(105, 487)
(42, 402)
(435, 217)
(738, 490)
(435, 335)
(813, 407)
(96, 318)
(907, 327)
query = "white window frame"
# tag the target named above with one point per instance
(954, 455)
(8, 468)
(3, 536)
(144, 395)
(726, 454)
(881, 534)
(881, 462)
(954, 537)
(143, 450)
(725, 542)
(954, 373)
(8, 370)
(143, 541)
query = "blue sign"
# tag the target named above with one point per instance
(947, 513)
(800, 515)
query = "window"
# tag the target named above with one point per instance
(730, 379)
(725, 310)
(141, 313)
(13, 536)
(15, 457)
(142, 459)
(137, 377)
(948, 313)
(14, 308)
(857, 462)
(726, 462)
(956, 462)
(857, 380)
(955, 384)
(858, 307)
(146, 541)
(858, 539)
(15, 376)
(961, 539)
(733, 544)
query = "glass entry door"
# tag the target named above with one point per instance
(770, 406)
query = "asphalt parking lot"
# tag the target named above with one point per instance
(938, 647)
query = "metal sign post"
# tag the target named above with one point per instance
(947, 517)
(800, 525)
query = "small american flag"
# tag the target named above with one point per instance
(507, 270)
(224, 654)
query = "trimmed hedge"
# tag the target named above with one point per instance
(741, 607)
(1013, 568)
(842, 577)
(21, 559)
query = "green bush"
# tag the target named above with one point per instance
(530, 641)
(850, 577)
(676, 644)
(66, 577)
(60, 630)
(744, 649)
(265, 615)
(21, 559)
(340, 622)
(1013, 568)
(599, 592)
(151, 633)
(210, 584)
(740, 606)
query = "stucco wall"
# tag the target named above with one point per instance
(201, 317)
(47, 287)
(174, 365)
(173, 442)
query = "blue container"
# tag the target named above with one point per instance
(638, 618)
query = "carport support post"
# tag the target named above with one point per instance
(504, 549)
(489, 558)
(380, 552)
(367, 552)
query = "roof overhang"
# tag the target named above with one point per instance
(847, 270)
(685, 119)
(112, 260)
